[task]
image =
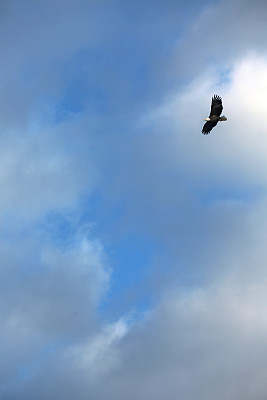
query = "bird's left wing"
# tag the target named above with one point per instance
(216, 106)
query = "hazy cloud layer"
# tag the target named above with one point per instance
(102, 106)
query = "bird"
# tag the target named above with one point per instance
(215, 112)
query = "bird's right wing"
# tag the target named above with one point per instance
(208, 127)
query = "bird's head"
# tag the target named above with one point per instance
(207, 119)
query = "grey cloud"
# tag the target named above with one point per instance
(222, 33)
(201, 344)
(111, 43)
(49, 298)
(207, 345)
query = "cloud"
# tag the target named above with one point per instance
(170, 165)
(199, 343)
(48, 297)
(136, 144)
(45, 169)
(206, 336)
(218, 35)
(209, 343)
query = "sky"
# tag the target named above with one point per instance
(133, 258)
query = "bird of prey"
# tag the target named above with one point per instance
(215, 112)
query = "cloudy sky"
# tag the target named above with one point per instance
(133, 256)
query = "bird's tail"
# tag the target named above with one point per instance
(223, 118)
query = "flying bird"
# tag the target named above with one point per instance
(215, 112)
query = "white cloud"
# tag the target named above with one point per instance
(45, 170)
(97, 356)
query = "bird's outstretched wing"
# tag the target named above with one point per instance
(208, 127)
(216, 106)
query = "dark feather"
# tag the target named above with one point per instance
(208, 127)
(216, 106)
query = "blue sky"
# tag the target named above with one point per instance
(132, 247)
